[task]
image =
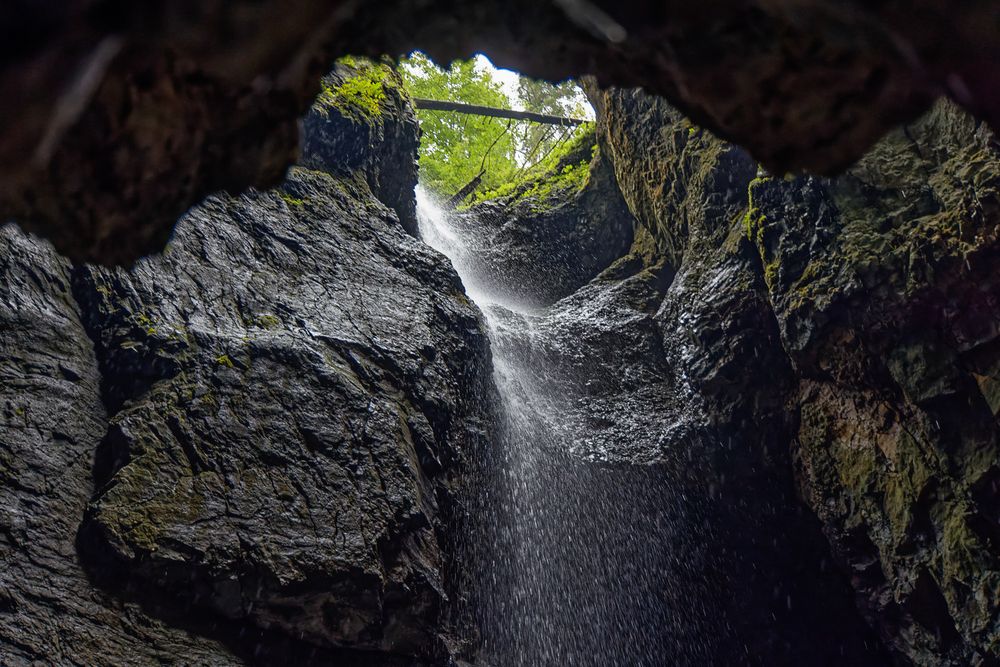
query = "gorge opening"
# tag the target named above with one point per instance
(643, 398)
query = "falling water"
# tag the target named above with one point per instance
(572, 560)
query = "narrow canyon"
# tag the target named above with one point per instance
(717, 383)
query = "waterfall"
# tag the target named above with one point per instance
(571, 557)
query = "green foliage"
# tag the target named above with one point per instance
(454, 148)
(565, 170)
(360, 96)
(562, 99)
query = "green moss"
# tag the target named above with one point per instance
(571, 178)
(754, 221)
(750, 222)
(561, 174)
(145, 322)
(361, 96)
(771, 273)
(224, 360)
(964, 556)
(142, 525)
(268, 321)
(755, 226)
(290, 200)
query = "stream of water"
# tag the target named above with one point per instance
(570, 558)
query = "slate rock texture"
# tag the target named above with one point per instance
(52, 420)
(883, 282)
(283, 431)
(249, 449)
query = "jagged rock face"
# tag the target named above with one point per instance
(51, 419)
(378, 139)
(117, 119)
(883, 282)
(276, 453)
(867, 310)
(536, 249)
(709, 408)
(270, 426)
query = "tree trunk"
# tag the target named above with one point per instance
(459, 196)
(458, 107)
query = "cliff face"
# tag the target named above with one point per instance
(52, 420)
(260, 433)
(883, 282)
(667, 373)
(552, 233)
(851, 322)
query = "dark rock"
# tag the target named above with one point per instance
(118, 119)
(277, 413)
(543, 242)
(281, 449)
(51, 420)
(883, 282)
(379, 139)
(680, 368)
(879, 288)
(880, 285)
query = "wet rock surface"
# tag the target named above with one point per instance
(118, 119)
(249, 451)
(246, 450)
(52, 420)
(377, 139)
(847, 321)
(282, 430)
(884, 287)
(544, 242)
(659, 385)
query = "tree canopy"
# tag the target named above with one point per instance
(455, 148)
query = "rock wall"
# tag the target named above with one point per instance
(883, 283)
(260, 433)
(554, 232)
(680, 355)
(852, 332)
(52, 420)
(247, 449)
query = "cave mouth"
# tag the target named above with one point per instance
(753, 377)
